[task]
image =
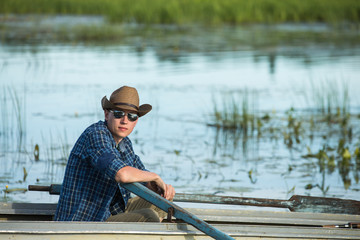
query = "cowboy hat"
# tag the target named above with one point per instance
(125, 98)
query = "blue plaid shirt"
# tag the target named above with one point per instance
(89, 191)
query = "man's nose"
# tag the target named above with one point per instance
(124, 119)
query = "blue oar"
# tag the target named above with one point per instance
(177, 211)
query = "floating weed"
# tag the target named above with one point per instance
(357, 153)
(291, 191)
(290, 168)
(331, 164)
(199, 175)
(324, 189)
(25, 174)
(344, 163)
(259, 126)
(14, 190)
(346, 154)
(36, 152)
(341, 145)
(5, 190)
(177, 152)
(294, 129)
(250, 175)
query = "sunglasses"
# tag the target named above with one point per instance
(120, 114)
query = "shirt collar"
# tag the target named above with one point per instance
(121, 146)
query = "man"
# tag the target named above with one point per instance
(102, 158)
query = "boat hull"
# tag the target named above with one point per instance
(20, 230)
(33, 221)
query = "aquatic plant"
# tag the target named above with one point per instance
(294, 129)
(196, 11)
(36, 152)
(331, 98)
(12, 101)
(235, 111)
(56, 151)
(346, 163)
(92, 33)
(64, 148)
(5, 129)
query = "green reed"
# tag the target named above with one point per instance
(330, 98)
(105, 33)
(18, 105)
(195, 11)
(55, 151)
(4, 118)
(234, 111)
(13, 117)
(64, 148)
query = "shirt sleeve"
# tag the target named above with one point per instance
(102, 154)
(138, 164)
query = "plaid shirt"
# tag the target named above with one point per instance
(89, 191)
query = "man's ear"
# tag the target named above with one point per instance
(106, 114)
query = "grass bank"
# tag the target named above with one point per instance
(196, 11)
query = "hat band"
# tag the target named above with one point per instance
(127, 104)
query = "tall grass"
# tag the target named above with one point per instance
(56, 150)
(329, 97)
(13, 118)
(235, 111)
(195, 11)
(4, 133)
(20, 116)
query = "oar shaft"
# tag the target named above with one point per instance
(201, 198)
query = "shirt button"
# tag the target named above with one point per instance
(124, 195)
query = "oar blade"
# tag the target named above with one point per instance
(301, 203)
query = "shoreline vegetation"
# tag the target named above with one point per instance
(208, 12)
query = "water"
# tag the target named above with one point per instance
(59, 86)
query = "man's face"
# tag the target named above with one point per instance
(119, 127)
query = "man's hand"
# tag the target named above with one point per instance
(170, 192)
(165, 190)
(155, 188)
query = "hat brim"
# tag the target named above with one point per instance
(143, 109)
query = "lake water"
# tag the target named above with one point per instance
(51, 91)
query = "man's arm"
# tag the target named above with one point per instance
(130, 174)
